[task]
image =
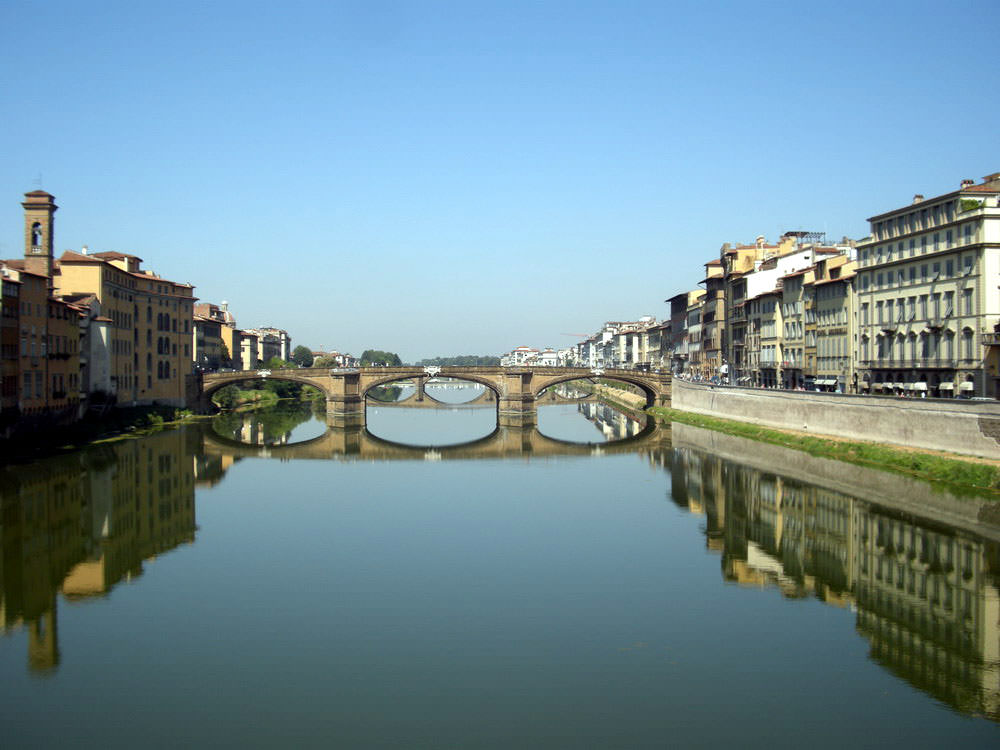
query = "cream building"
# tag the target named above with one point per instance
(833, 320)
(928, 299)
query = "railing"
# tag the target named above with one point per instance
(989, 339)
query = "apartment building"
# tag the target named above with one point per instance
(149, 325)
(9, 353)
(207, 343)
(713, 320)
(276, 343)
(795, 364)
(738, 263)
(834, 324)
(249, 349)
(928, 301)
(677, 348)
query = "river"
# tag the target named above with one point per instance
(434, 581)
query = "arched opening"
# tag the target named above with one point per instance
(258, 390)
(409, 410)
(593, 411)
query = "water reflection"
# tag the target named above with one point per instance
(918, 567)
(81, 524)
(925, 592)
(287, 422)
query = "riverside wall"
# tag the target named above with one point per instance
(967, 427)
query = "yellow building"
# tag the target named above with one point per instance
(148, 337)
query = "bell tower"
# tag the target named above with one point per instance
(39, 208)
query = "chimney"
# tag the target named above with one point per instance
(967, 184)
(917, 198)
(84, 250)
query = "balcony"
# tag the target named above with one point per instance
(989, 339)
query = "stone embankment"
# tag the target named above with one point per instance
(976, 514)
(969, 428)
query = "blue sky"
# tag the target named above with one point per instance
(440, 178)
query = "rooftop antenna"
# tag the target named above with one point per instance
(37, 182)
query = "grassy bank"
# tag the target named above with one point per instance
(956, 472)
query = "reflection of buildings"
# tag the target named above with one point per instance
(81, 524)
(926, 595)
(612, 423)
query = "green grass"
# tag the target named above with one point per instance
(957, 473)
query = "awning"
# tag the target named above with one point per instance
(967, 386)
(920, 386)
(907, 386)
(866, 385)
(947, 386)
(878, 386)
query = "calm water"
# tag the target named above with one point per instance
(436, 582)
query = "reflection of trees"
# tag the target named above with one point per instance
(80, 524)
(265, 426)
(926, 595)
(388, 393)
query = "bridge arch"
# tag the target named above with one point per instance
(218, 381)
(648, 391)
(470, 378)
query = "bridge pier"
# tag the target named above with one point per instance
(345, 406)
(516, 405)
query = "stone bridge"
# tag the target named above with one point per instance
(515, 389)
(352, 443)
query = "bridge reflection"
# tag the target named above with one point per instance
(504, 442)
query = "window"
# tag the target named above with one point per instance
(864, 313)
(949, 268)
(949, 304)
(936, 271)
(967, 233)
(949, 238)
(923, 273)
(967, 263)
(967, 302)
(967, 343)
(879, 313)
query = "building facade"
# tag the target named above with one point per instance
(928, 301)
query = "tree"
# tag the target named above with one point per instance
(276, 363)
(302, 356)
(324, 362)
(463, 360)
(377, 357)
